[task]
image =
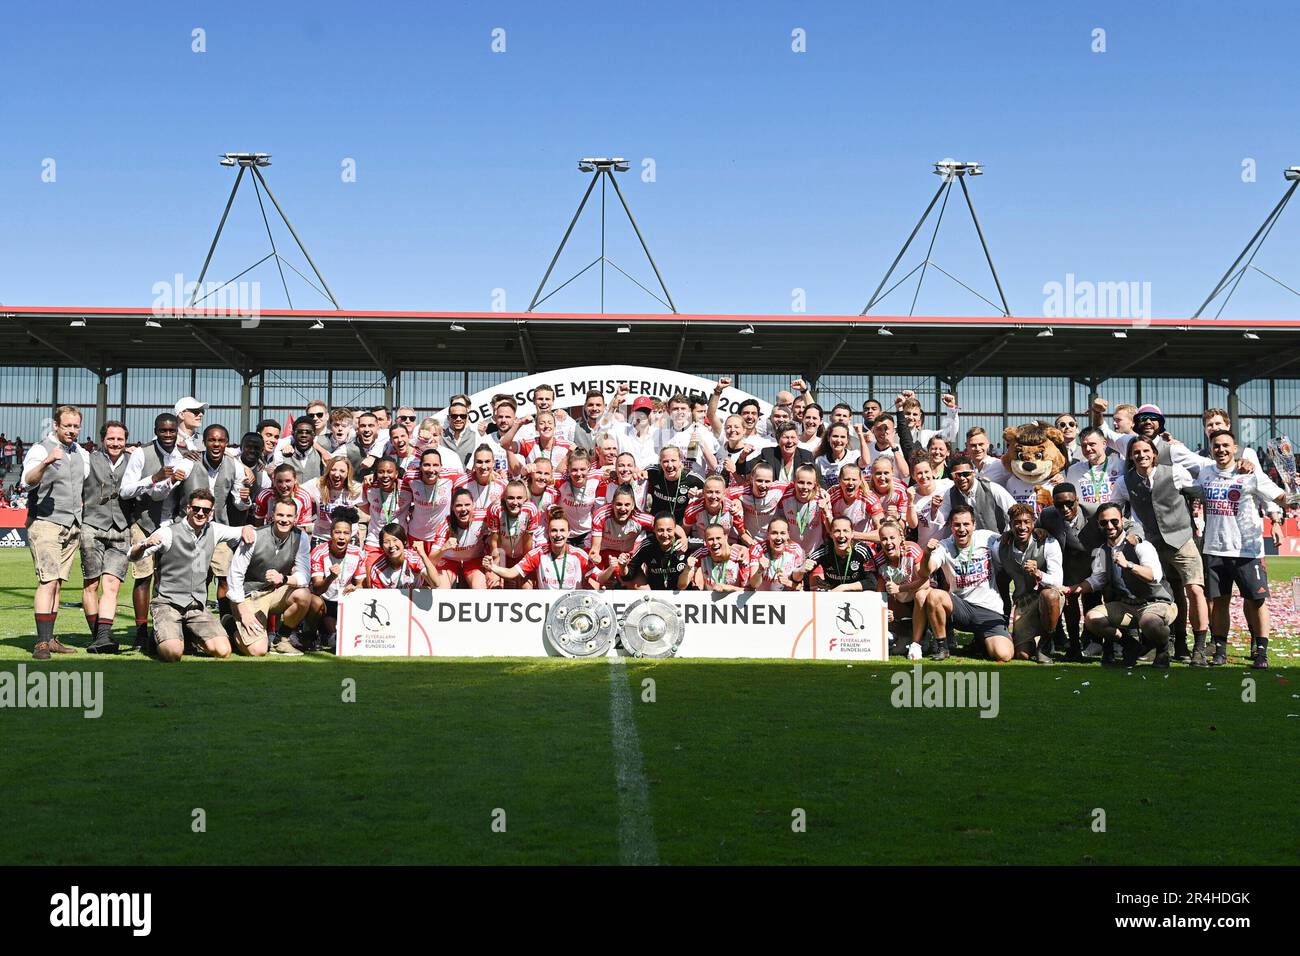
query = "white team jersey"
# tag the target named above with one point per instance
(1025, 493)
(579, 503)
(1095, 483)
(430, 505)
(971, 570)
(928, 523)
(807, 527)
(320, 560)
(1234, 526)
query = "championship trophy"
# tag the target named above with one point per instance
(1281, 453)
(579, 624)
(653, 628)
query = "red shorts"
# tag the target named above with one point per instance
(459, 569)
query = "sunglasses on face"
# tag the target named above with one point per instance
(1109, 522)
(317, 414)
(200, 510)
(962, 474)
(406, 418)
(1065, 424)
(458, 415)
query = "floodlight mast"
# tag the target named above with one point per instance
(255, 162)
(947, 170)
(1234, 275)
(603, 168)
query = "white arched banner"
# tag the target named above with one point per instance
(572, 384)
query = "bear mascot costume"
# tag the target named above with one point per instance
(1035, 459)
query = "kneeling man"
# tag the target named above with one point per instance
(969, 561)
(1137, 603)
(1031, 558)
(270, 576)
(184, 552)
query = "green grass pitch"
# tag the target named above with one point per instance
(417, 769)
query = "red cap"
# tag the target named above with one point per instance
(643, 404)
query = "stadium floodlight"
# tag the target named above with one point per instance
(747, 330)
(603, 169)
(246, 159)
(1253, 336)
(1047, 333)
(591, 164)
(1119, 334)
(78, 323)
(1291, 173)
(316, 326)
(152, 324)
(950, 169)
(623, 329)
(883, 331)
(457, 327)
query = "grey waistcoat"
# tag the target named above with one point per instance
(1123, 585)
(183, 567)
(230, 472)
(988, 516)
(146, 512)
(101, 506)
(57, 496)
(267, 556)
(1026, 585)
(1162, 510)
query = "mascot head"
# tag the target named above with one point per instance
(1034, 452)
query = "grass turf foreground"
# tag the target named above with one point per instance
(413, 771)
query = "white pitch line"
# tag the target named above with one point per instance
(636, 828)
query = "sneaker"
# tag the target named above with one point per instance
(1198, 659)
(1219, 659)
(41, 651)
(57, 648)
(1042, 657)
(285, 646)
(940, 652)
(1148, 657)
(1161, 660)
(1092, 650)
(1260, 663)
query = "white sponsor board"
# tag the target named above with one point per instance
(500, 623)
(572, 384)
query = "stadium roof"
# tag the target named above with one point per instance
(1231, 351)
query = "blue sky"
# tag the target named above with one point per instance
(775, 170)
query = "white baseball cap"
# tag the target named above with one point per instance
(188, 403)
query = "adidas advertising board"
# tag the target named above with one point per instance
(13, 538)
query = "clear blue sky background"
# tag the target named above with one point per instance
(775, 170)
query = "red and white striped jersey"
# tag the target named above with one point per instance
(638, 491)
(301, 497)
(787, 563)
(518, 535)
(734, 571)
(864, 510)
(484, 495)
(352, 566)
(531, 450)
(392, 507)
(619, 537)
(759, 513)
(807, 525)
(469, 541)
(897, 497)
(430, 505)
(556, 573)
(697, 519)
(913, 557)
(408, 574)
(325, 507)
(578, 505)
(544, 502)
